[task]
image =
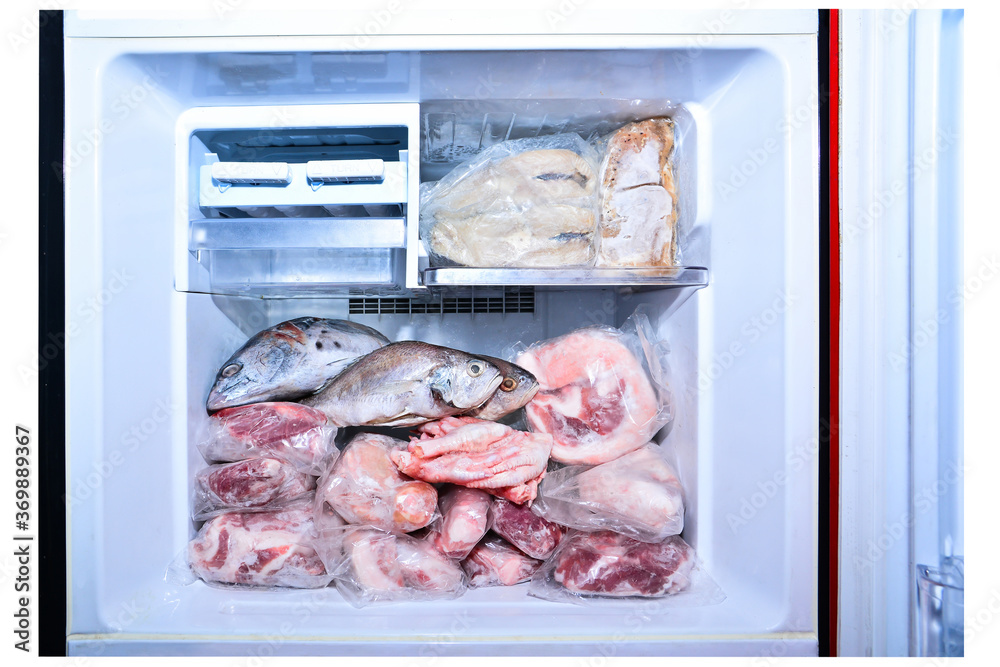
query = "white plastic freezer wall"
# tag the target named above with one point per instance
(142, 355)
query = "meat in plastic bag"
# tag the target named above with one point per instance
(494, 562)
(263, 549)
(253, 484)
(364, 487)
(294, 433)
(602, 564)
(477, 454)
(526, 202)
(535, 536)
(372, 566)
(638, 193)
(603, 392)
(463, 522)
(637, 495)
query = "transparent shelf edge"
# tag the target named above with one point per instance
(679, 276)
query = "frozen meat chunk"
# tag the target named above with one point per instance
(524, 529)
(249, 484)
(494, 562)
(463, 522)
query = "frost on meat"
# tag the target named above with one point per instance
(464, 517)
(524, 529)
(365, 487)
(478, 454)
(606, 563)
(595, 397)
(258, 549)
(287, 431)
(494, 562)
(248, 484)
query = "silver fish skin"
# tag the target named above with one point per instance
(518, 387)
(406, 384)
(290, 360)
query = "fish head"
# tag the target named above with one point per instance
(246, 377)
(465, 381)
(516, 389)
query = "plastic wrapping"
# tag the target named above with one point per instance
(587, 567)
(254, 485)
(261, 549)
(478, 454)
(372, 566)
(464, 520)
(494, 562)
(296, 434)
(638, 196)
(526, 202)
(523, 528)
(364, 487)
(603, 392)
(637, 495)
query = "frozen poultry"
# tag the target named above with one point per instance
(478, 454)
(464, 515)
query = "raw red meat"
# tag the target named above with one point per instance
(248, 484)
(259, 549)
(291, 432)
(606, 563)
(595, 399)
(524, 529)
(494, 562)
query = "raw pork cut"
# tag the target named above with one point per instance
(365, 487)
(288, 431)
(524, 529)
(381, 567)
(259, 549)
(606, 563)
(595, 399)
(253, 483)
(478, 454)
(464, 515)
(494, 562)
(637, 495)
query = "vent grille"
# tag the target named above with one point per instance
(506, 302)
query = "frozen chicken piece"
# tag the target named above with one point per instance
(527, 531)
(365, 487)
(381, 567)
(464, 515)
(494, 562)
(478, 454)
(595, 398)
(638, 225)
(259, 549)
(637, 494)
(290, 432)
(249, 484)
(609, 564)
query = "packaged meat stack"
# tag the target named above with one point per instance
(255, 484)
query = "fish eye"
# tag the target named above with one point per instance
(509, 384)
(476, 367)
(231, 370)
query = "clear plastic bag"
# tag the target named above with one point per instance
(638, 220)
(259, 549)
(494, 562)
(637, 494)
(464, 520)
(526, 202)
(372, 566)
(259, 484)
(296, 434)
(603, 392)
(364, 487)
(523, 528)
(586, 568)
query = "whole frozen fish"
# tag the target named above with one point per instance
(290, 360)
(518, 387)
(405, 384)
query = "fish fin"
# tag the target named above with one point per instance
(440, 385)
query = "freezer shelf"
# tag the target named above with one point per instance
(272, 233)
(681, 276)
